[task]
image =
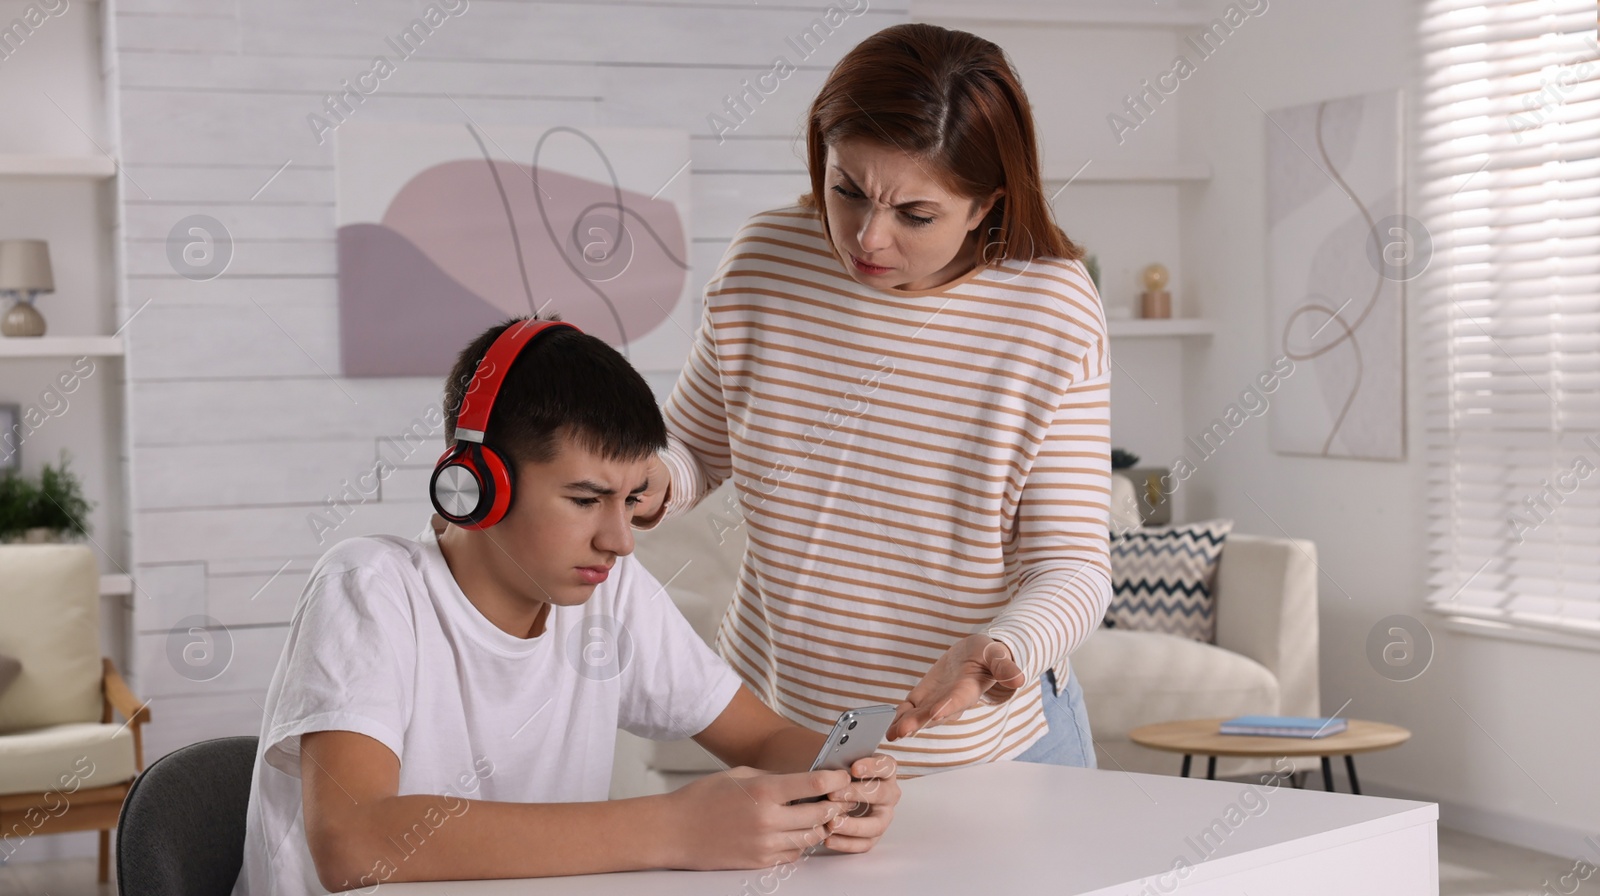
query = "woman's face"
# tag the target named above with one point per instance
(893, 223)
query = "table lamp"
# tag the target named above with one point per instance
(1155, 301)
(24, 273)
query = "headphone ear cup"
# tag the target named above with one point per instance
(471, 486)
(499, 483)
(456, 487)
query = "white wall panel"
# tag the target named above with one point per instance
(256, 474)
(278, 409)
(723, 202)
(194, 32)
(275, 533)
(748, 152)
(318, 75)
(270, 292)
(168, 593)
(260, 220)
(258, 598)
(179, 182)
(245, 657)
(251, 257)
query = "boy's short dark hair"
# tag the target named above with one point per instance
(564, 383)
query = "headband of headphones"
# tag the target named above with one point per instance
(472, 421)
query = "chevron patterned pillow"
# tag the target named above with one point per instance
(1161, 579)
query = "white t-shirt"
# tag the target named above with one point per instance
(384, 643)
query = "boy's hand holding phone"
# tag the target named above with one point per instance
(742, 818)
(873, 796)
(851, 746)
(746, 818)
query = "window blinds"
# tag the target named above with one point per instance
(1509, 157)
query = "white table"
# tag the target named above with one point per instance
(1021, 828)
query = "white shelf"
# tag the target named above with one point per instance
(79, 167)
(60, 346)
(115, 585)
(1053, 12)
(1113, 171)
(1139, 328)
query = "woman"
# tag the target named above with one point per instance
(906, 375)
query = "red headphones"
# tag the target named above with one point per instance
(471, 484)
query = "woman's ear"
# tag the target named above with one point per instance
(981, 209)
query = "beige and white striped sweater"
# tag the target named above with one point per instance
(913, 467)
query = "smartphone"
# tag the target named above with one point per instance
(856, 735)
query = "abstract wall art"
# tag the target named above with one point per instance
(445, 230)
(1339, 252)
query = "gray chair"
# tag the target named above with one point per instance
(181, 832)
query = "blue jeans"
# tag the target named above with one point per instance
(1069, 741)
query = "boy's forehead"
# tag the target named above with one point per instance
(574, 462)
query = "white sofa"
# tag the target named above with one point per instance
(1264, 660)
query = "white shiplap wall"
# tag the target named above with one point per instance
(237, 432)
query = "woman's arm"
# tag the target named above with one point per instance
(1062, 537)
(697, 458)
(1064, 585)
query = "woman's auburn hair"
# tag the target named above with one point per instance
(951, 98)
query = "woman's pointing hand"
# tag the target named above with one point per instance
(972, 668)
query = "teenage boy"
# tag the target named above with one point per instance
(446, 706)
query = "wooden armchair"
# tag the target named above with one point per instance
(65, 765)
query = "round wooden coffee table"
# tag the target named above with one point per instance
(1202, 737)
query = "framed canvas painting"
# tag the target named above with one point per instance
(1339, 252)
(446, 229)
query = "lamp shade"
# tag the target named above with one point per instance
(25, 266)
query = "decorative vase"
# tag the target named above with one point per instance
(1155, 503)
(41, 535)
(1155, 305)
(1125, 514)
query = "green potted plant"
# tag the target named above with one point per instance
(17, 497)
(46, 509)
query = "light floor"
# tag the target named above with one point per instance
(1468, 866)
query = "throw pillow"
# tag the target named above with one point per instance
(10, 668)
(1162, 579)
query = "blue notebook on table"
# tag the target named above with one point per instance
(1284, 726)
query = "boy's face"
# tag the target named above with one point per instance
(569, 522)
